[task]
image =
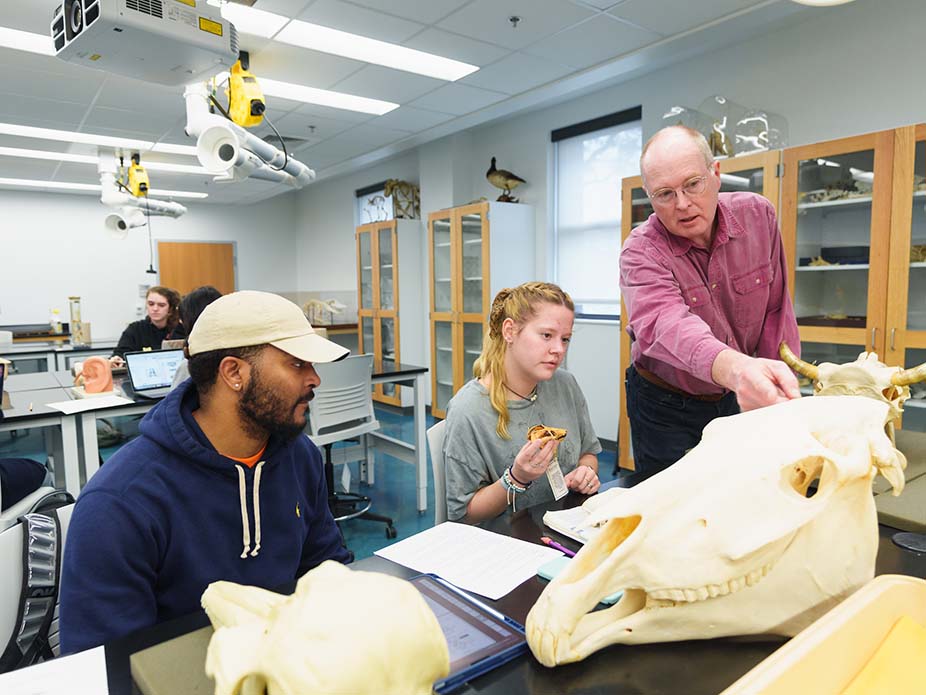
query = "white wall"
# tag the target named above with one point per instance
(853, 69)
(54, 245)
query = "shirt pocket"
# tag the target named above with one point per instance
(698, 299)
(751, 298)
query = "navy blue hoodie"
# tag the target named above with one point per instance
(168, 514)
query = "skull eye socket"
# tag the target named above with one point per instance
(803, 477)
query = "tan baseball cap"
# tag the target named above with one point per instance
(246, 318)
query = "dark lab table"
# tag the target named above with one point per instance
(698, 667)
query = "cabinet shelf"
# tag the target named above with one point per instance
(915, 403)
(473, 278)
(839, 202)
(471, 242)
(847, 266)
(442, 245)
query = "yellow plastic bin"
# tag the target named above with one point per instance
(825, 657)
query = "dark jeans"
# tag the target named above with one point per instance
(664, 425)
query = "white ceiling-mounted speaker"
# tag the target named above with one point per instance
(171, 42)
(119, 223)
(217, 148)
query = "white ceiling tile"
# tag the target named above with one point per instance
(360, 20)
(411, 120)
(327, 154)
(671, 17)
(425, 11)
(458, 99)
(102, 118)
(47, 85)
(369, 136)
(280, 61)
(488, 20)
(310, 126)
(457, 47)
(517, 73)
(595, 41)
(378, 82)
(23, 109)
(152, 99)
(287, 8)
(598, 4)
(20, 168)
(122, 132)
(334, 114)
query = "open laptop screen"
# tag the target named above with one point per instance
(152, 369)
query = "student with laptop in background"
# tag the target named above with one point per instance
(161, 321)
(221, 484)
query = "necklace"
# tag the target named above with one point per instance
(532, 396)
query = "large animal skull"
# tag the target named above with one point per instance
(342, 631)
(726, 541)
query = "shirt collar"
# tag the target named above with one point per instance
(728, 227)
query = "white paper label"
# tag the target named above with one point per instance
(557, 482)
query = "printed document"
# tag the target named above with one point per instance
(79, 674)
(476, 560)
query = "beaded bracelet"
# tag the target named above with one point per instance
(512, 488)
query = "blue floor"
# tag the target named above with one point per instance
(393, 493)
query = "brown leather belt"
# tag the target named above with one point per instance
(663, 384)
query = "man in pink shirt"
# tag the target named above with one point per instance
(704, 282)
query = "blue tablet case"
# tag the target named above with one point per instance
(550, 569)
(486, 664)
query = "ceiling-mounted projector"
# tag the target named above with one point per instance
(171, 42)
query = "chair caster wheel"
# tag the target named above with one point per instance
(391, 532)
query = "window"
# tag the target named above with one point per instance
(590, 159)
(373, 205)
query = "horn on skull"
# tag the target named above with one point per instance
(796, 363)
(905, 377)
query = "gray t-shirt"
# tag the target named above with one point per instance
(475, 456)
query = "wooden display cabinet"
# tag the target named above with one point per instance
(380, 246)
(475, 250)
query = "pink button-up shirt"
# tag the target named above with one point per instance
(686, 304)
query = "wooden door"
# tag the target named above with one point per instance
(184, 266)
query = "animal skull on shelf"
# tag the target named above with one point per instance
(342, 631)
(726, 541)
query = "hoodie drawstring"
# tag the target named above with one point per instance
(257, 509)
(245, 526)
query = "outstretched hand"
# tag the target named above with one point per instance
(757, 381)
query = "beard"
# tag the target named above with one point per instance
(263, 411)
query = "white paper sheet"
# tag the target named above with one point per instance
(84, 404)
(79, 674)
(472, 558)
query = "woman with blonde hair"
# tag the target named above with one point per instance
(489, 462)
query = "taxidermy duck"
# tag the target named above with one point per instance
(504, 179)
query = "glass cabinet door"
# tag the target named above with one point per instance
(386, 269)
(471, 241)
(442, 365)
(387, 341)
(472, 346)
(441, 265)
(365, 262)
(836, 229)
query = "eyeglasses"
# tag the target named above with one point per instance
(692, 187)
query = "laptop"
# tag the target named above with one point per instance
(151, 372)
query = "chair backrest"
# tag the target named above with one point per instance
(64, 520)
(436, 445)
(343, 403)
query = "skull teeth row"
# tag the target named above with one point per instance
(711, 590)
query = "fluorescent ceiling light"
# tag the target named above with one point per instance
(821, 3)
(27, 41)
(161, 193)
(92, 139)
(342, 43)
(92, 159)
(250, 21)
(324, 97)
(32, 183)
(52, 156)
(93, 188)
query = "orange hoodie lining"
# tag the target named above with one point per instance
(250, 461)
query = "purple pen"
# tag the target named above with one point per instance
(546, 540)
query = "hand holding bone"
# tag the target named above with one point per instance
(533, 459)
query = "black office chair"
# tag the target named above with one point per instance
(343, 410)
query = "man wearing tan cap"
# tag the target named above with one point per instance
(221, 484)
